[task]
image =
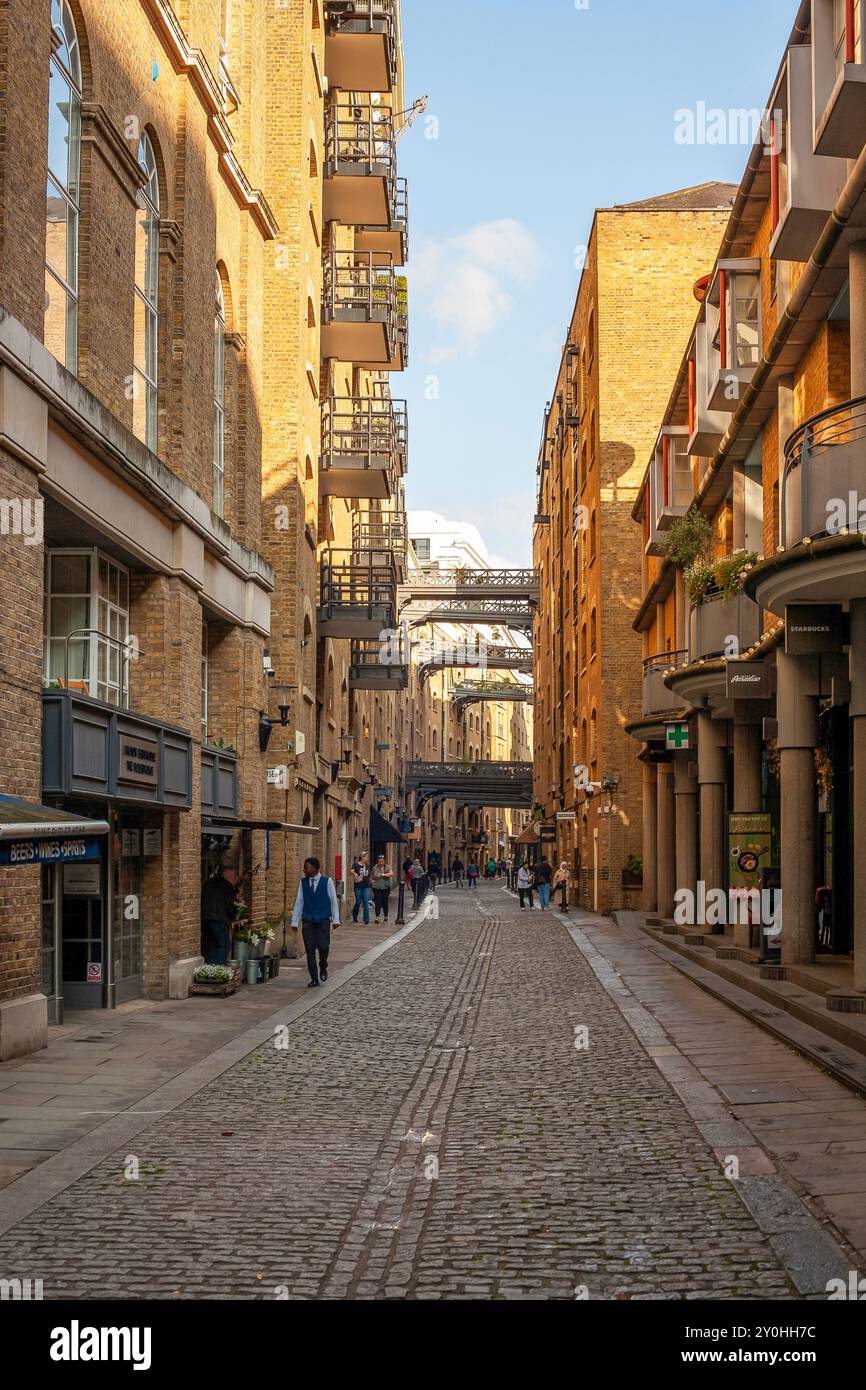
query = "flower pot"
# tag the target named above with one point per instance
(252, 972)
(241, 952)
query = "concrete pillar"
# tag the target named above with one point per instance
(797, 711)
(650, 841)
(665, 839)
(686, 821)
(857, 273)
(712, 776)
(858, 715)
(747, 764)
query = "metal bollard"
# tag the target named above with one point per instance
(400, 920)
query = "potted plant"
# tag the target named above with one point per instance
(242, 941)
(213, 979)
(632, 873)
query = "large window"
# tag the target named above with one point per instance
(87, 594)
(62, 194)
(219, 400)
(145, 382)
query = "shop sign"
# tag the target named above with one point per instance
(82, 880)
(566, 815)
(139, 760)
(152, 843)
(749, 846)
(547, 832)
(813, 628)
(130, 843)
(677, 737)
(748, 680)
(23, 852)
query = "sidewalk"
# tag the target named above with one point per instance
(100, 1062)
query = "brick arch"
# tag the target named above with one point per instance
(228, 302)
(77, 10)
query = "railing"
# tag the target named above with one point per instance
(467, 692)
(358, 580)
(364, 432)
(715, 620)
(380, 532)
(359, 139)
(824, 464)
(656, 696)
(418, 773)
(356, 289)
(360, 16)
(508, 612)
(379, 665)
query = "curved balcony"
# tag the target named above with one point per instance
(825, 474)
(715, 621)
(360, 174)
(657, 699)
(363, 447)
(361, 45)
(359, 310)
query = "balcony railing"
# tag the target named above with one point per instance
(359, 310)
(385, 536)
(379, 665)
(657, 699)
(358, 593)
(391, 239)
(361, 45)
(364, 442)
(715, 621)
(825, 464)
(360, 175)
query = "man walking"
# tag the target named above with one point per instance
(218, 911)
(316, 904)
(457, 871)
(544, 880)
(361, 881)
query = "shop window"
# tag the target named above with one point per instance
(87, 625)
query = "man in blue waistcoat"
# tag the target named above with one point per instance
(316, 904)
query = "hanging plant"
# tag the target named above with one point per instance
(698, 580)
(730, 571)
(689, 539)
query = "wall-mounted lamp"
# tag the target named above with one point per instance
(266, 724)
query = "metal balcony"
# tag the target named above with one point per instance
(358, 594)
(364, 442)
(361, 45)
(472, 692)
(466, 655)
(472, 784)
(391, 239)
(359, 310)
(399, 359)
(379, 665)
(657, 699)
(714, 621)
(360, 174)
(384, 536)
(825, 465)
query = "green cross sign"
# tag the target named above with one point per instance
(676, 736)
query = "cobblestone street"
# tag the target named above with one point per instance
(428, 1130)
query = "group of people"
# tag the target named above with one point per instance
(542, 877)
(378, 881)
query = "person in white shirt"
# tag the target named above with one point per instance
(317, 906)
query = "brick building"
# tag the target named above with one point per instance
(752, 593)
(631, 311)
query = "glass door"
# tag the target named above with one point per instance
(127, 872)
(51, 984)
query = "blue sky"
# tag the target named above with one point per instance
(545, 111)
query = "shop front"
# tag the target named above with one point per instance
(125, 772)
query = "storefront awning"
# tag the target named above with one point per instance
(530, 836)
(34, 834)
(382, 832)
(211, 825)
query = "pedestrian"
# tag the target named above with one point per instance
(491, 867)
(417, 878)
(524, 885)
(218, 911)
(457, 871)
(382, 880)
(544, 880)
(503, 867)
(472, 874)
(361, 881)
(316, 905)
(434, 868)
(562, 880)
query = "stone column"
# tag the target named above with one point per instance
(858, 715)
(857, 272)
(686, 820)
(650, 841)
(712, 777)
(665, 833)
(747, 762)
(797, 711)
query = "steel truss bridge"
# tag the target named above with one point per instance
(468, 692)
(474, 785)
(465, 656)
(509, 597)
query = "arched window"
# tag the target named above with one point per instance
(146, 349)
(219, 398)
(593, 739)
(593, 635)
(63, 192)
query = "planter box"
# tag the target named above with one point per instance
(631, 880)
(213, 987)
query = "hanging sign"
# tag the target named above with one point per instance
(677, 737)
(23, 852)
(748, 680)
(813, 628)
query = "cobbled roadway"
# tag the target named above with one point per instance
(310, 1171)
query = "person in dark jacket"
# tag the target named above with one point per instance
(218, 910)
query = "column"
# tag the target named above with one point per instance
(797, 711)
(665, 839)
(747, 762)
(858, 715)
(712, 777)
(686, 820)
(650, 886)
(857, 272)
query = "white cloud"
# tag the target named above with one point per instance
(465, 281)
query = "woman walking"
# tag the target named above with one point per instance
(525, 881)
(382, 880)
(472, 874)
(562, 881)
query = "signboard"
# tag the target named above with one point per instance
(748, 680)
(566, 815)
(276, 777)
(750, 839)
(23, 852)
(152, 843)
(139, 760)
(130, 843)
(813, 628)
(82, 880)
(94, 972)
(547, 832)
(677, 737)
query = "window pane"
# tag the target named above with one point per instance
(67, 615)
(57, 321)
(64, 131)
(69, 574)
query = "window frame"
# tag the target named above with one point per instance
(65, 63)
(147, 296)
(116, 651)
